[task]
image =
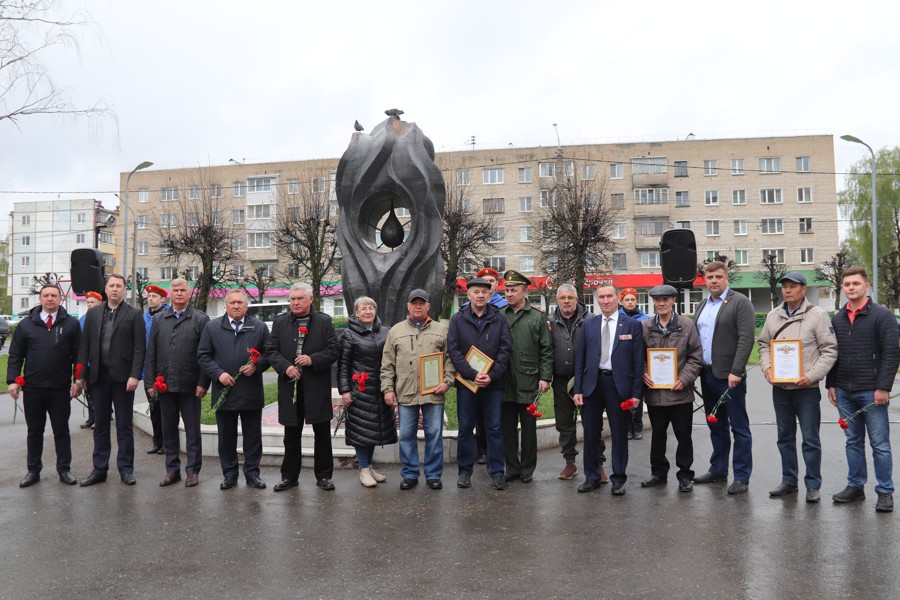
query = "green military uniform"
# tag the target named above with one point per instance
(531, 360)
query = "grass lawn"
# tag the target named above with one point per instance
(3, 360)
(207, 417)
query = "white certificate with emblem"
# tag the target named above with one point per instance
(662, 367)
(787, 360)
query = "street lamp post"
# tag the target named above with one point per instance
(143, 165)
(856, 140)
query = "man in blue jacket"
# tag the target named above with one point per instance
(156, 303)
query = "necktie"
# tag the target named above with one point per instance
(604, 341)
(49, 321)
(236, 325)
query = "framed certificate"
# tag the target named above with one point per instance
(787, 360)
(662, 367)
(431, 372)
(479, 361)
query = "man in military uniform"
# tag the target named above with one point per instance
(529, 374)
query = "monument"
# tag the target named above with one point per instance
(386, 255)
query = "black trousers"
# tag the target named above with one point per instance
(108, 394)
(172, 407)
(156, 422)
(680, 416)
(251, 430)
(37, 404)
(512, 415)
(564, 409)
(323, 462)
(606, 397)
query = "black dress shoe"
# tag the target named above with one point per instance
(783, 490)
(92, 479)
(588, 486)
(30, 479)
(464, 481)
(87, 424)
(325, 484)
(498, 482)
(67, 478)
(161, 450)
(434, 484)
(638, 435)
(527, 478)
(512, 476)
(256, 482)
(685, 485)
(482, 459)
(653, 481)
(170, 478)
(285, 484)
(228, 483)
(154, 450)
(710, 478)
(618, 489)
(128, 478)
(408, 483)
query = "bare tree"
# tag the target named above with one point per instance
(29, 32)
(576, 226)
(139, 283)
(832, 271)
(771, 271)
(261, 278)
(305, 233)
(194, 230)
(464, 242)
(731, 267)
(37, 282)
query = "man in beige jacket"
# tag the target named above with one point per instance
(409, 339)
(797, 319)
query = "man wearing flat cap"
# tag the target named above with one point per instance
(156, 304)
(673, 405)
(495, 299)
(415, 336)
(798, 401)
(528, 377)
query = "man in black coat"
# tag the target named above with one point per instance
(172, 354)
(225, 357)
(302, 348)
(46, 345)
(113, 344)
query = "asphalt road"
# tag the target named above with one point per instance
(541, 540)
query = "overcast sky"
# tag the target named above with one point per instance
(199, 82)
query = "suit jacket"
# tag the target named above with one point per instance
(627, 357)
(127, 348)
(734, 335)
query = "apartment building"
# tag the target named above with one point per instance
(745, 198)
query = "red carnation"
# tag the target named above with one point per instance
(843, 423)
(360, 379)
(303, 330)
(532, 408)
(629, 404)
(160, 385)
(79, 370)
(20, 381)
(712, 418)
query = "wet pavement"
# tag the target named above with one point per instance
(541, 540)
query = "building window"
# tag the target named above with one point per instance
(240, 188)
(709, 168)
(142, 248)
(712, 254)
(740, 227)
(620, 261)
(650, 259)
(293, 270)
(648, 166)
(80, 238)
(193, 273)
(26, 219)
(260, 211)
(497, 235)
(237, 217)
(339, 307)
(770, 196)
(26, 261)
(681, 168)
(105, 237)
(712, 228)
(741, 257)
(711, 197)
(217, 218)
(803, 164)
(589, 172)
(526, 233)
(462, 177)
(778, 253)
(23, 303)
(26, 240)
(169, 194)
(616, 171)
(524, 174)
(259, 184)
(258, 240)
(193, 192)
(805, 224)
(238, 270)
(806, 256)
(165, 250)
(526, 263)
(682, 225)
(569, 168)
(618, 231)
(739, 197)
(492, 206)
(492, 176)
(652, 227)
(651, 195)
(142, 271)
(498, 263)
(770, 165)
(142, 221)
(25, 282)
(293, 186)
(804, 194)
(548, 197)
(317, 185)
(772, 226)
(239, 243)
(168, 220)
(682, 198)
(547, 169)
(215, 190)
(143, 195)
(617, 201)
(81, 218)
(167, 273)
(737, 166)
(525, 204)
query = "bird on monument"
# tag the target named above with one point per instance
(357, 126)
(393, 112)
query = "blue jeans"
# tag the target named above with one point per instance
(875, 421)
(732, 413)
(433, 424)
(364, 456)
(791, 406)
(490, 402)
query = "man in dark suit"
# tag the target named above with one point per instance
(113, 344)
(726, 324)
(609, 369)
(302, 348)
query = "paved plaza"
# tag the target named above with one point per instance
(541, 540)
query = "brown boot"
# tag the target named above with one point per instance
(568, 472)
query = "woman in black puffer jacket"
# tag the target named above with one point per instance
(370, 421)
